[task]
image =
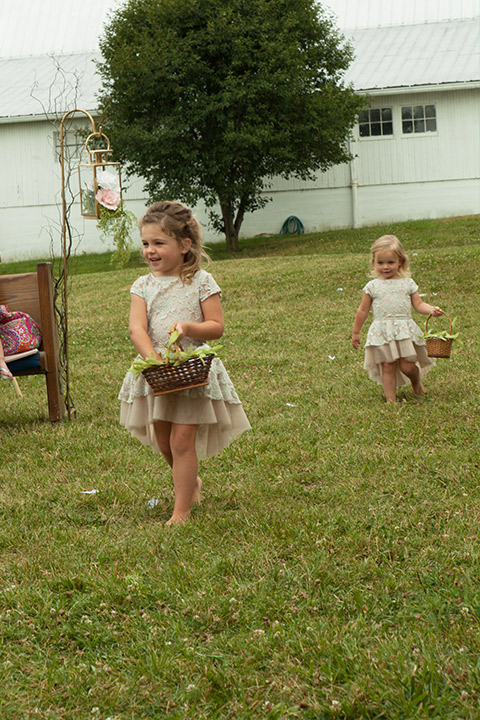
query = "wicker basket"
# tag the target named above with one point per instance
(437, 347)
(170, 378)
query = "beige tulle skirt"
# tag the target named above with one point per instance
(375, 355)
(215, 408)
(219, 422)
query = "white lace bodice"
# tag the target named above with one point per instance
(168, 300)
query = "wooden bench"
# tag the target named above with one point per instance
(33, 293)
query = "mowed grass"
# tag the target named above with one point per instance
(332, 568)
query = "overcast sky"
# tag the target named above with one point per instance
(34, 27)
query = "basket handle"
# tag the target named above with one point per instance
(443, 313)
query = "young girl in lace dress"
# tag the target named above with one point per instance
(178, 295)
(395, 352)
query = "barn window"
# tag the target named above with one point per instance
(375, 122)
(419, 119)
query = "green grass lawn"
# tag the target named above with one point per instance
(332, 570)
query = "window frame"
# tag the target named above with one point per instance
(380, 121)
(413, 119)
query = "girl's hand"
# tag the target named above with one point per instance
(181, 328)
(436, 311)
(356, 340)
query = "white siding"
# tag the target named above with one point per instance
(452, 153)
(391, 178)
(30, 195)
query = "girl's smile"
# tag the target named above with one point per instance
(387, 264)
(163, 253)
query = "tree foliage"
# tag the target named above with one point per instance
(209, 99)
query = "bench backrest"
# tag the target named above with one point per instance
(20, 292)
(34, 293)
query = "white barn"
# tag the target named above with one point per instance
(416, 147)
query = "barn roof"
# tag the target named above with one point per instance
(386, 58)
(51, 84)
(405, 56)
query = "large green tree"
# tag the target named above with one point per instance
(209, 99)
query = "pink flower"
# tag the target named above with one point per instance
(108, 198)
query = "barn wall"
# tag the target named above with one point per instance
(399, 178)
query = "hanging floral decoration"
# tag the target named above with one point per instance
(101, 198)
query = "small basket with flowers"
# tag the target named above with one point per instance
(179, 369)
(439, 342)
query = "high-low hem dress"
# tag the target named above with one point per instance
(215, 407)
(393, 333)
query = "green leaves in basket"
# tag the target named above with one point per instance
(440, 334)
(175, 355)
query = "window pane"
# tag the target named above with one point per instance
(407, 126)
(419, 126)
(365, 130)
(406, 113)
(431, 125)
(375, 115)
(363, 116)
(376, 129)
(387, 114)
(418, 112)
(430, 111)
(388, 128)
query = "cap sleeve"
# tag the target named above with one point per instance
(208, 286)
(138, 287)
(413, 287)
(369, 288)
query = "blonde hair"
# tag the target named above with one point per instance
(178, 221)
(392, 243)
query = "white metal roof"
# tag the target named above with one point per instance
(32, 86)
(401, 56)
(375, 13)
(415, 55)
(38, 27)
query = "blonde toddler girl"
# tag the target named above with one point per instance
(395, 352)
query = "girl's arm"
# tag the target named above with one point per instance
(360, 317)
(138, 327)
(210, 328)
(424, 308)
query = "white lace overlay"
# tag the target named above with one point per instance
(392, 312)
(168, 300)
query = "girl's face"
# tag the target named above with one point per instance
(163, 253)
(387, 264)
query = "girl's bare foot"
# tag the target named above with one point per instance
(418, 388)
(197, 493)
(178, 519)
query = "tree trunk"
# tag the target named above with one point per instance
(231, 233)
(232, 225)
